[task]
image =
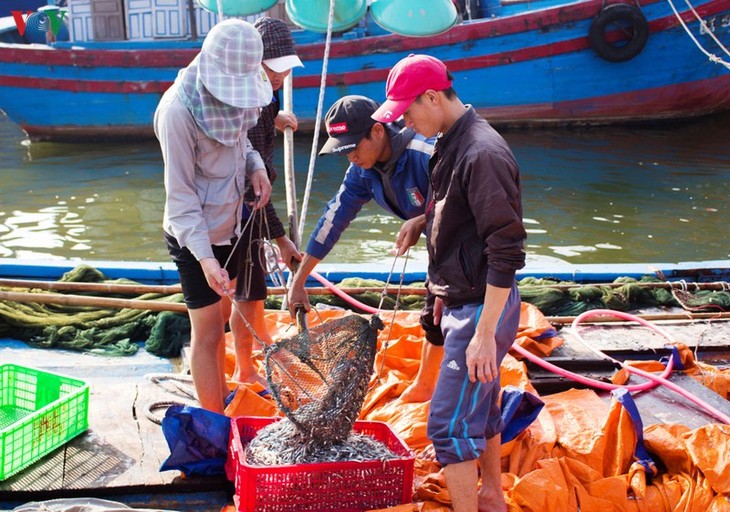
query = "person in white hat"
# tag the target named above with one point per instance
(202, 123)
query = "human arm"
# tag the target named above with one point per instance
(297, 295)
(340, 211)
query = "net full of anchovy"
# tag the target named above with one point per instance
(319, 379)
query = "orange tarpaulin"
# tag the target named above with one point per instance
(577, 455)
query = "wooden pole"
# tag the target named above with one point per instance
(116, 288)
(99, 302)
(91, 287)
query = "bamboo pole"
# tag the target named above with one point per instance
(686, 316)
(117, 288)
(289, 176)
(99, 302)
(91, 287)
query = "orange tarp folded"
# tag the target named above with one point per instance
(577, 455)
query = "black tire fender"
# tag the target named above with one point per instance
(616, 16)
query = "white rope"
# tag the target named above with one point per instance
(709, 32)
(713, 58)
(317, 122)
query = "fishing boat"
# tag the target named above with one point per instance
(539, 63)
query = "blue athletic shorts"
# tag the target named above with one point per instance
(464, 414)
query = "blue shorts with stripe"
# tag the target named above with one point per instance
(464, 414)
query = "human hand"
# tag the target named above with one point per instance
(289, 252)
(286, 119)
(481, 358)
(438, 309)
(216, 276)
(409, 234)
(261, 189)
(296, 297)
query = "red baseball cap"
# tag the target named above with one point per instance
(408, 79)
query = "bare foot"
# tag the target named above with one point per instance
(250, 378)
(417, 392)
(492, 501)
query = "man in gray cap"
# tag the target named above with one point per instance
(279, 58)
(201, 123)
(388, 164)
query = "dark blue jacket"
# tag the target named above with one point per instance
(408, 172)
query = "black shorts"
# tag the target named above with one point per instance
(196, 292)
(251, 283)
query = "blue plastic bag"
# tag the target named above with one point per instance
(198, 440)
(519, 410)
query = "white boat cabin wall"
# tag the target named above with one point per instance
(142, 20)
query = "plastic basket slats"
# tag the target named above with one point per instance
(39, 411)
(327, 486)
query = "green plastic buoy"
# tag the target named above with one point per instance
(238, 7)
(312, 14)
(420, 19)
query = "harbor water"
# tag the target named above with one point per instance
(590, 195)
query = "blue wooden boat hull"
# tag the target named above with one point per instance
(530, 64)
(165, 273)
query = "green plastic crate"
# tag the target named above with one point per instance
(39, 411)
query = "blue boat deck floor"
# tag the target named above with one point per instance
(119, 456)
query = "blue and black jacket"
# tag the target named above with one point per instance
(407, 172)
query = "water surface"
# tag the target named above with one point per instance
(591, 195)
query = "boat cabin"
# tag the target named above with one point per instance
(142, 20)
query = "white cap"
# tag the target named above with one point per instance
(283, 64)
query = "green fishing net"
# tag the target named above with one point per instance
(112, 332)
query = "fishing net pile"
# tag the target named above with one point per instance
(319, 379)
(113, 332)
(554, 297)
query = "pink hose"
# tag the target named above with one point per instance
(343, 295)
(653, 379)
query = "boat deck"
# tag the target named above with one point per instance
(119, 457)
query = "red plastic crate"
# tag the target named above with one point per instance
(325, 486)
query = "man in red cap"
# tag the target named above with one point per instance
(475, 238)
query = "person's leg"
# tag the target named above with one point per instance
(207, 345)
(461, 480)
(459, 410)
(208, 314)
(421, 389)
(248, 313)
(244, 340)
(490, 497)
